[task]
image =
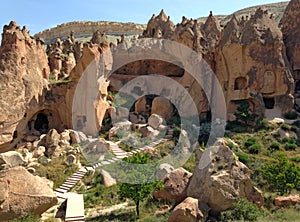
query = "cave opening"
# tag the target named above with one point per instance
(269, 102)
(41, 123)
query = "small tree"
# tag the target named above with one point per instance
(138, 192)
(282, 176)
(243, 114)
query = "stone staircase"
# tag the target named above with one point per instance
(62, 191)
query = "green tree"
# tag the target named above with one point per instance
(138, 192)
(282, 176)
(243, 114)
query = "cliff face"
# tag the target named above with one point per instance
(23, 76)
(290, 24)
(88, 28)
(251, 64)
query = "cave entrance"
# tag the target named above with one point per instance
(269, 103)
(41, 123)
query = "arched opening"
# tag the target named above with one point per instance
(41, 123)
(240, 83)
(269, 102)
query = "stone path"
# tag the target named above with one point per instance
(75, 207)
(62, 191)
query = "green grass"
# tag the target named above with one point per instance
(56, 171)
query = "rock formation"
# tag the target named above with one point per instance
(22, 194)
(23, 77)
(290, 23)
(175, 184)
(251, 65)
(187, 211)
(220, 182)
(159, 27)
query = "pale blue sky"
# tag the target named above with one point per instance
(38, 15)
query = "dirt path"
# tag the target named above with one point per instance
(94, 212)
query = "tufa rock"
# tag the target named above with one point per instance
(187, 211)
(219, 179)
(175, 184)
(107, 179)
(23, 194)
(11, 159)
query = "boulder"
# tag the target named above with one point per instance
(155, 121)
(11, 159)
(162, 107)
(175, 184)
(149, 132)
(107, 179)
(187, 211)
(38, 152)
(286, 201)
(21, 194)
(119, 113)
(164, 170)
(119, 128)
(140, 105)
(77, 137)
(71, 159)
(65, 135)
(220, 179)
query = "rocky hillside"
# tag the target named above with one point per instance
(277, 9)
(87, 28)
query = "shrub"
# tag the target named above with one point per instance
(291, 115)
(243, 157)
(285, 127)
(250, 141)
(243, 210)
(290, 146)
(282, 176)
(254, 149)
(274, 146)
(243, 115)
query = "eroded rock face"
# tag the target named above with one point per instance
(290, 23)
(175, 184)
(187, 211)
(23, 76)
(159, 26)
(22, 194)
(251, 65)
(220, 182)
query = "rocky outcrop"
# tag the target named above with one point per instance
(219, 179)
(187, 211)
(175, 184)
(251, 65)
(22, 194)
(290, 23)
(285, 201)
(23, 76)
(159, 27)
(89, 27)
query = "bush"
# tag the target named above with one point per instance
(282, 176)
(243, 210)
(254, 149)
(250, 141)
(290, 146)
(274, 146)
(285, 127)
(243, 157)
(291, 115)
